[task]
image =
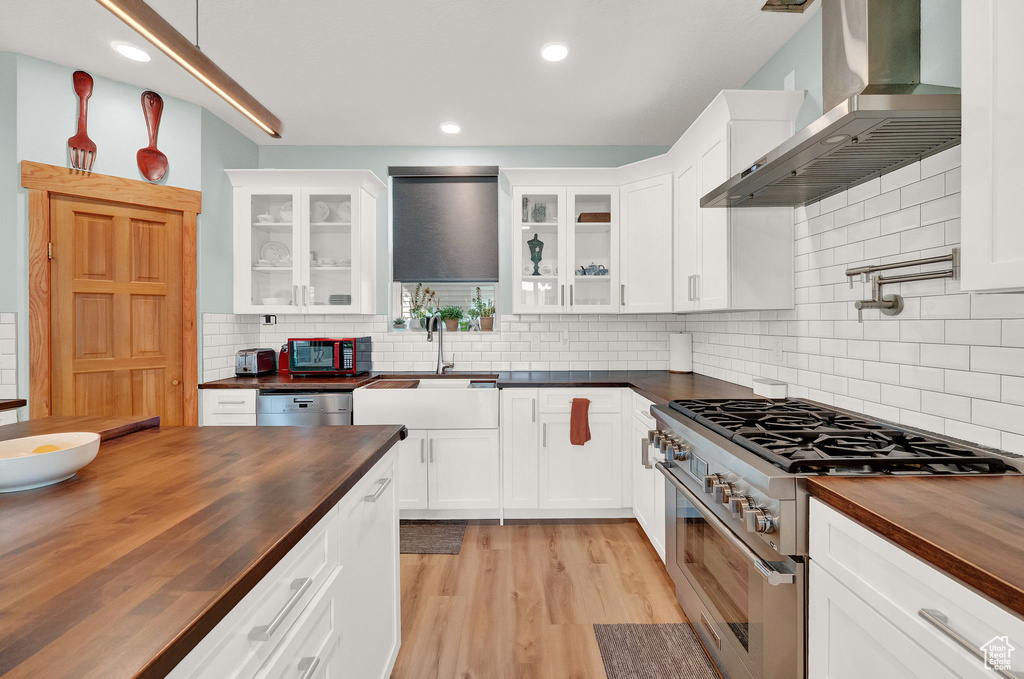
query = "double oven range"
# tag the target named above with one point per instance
(737, 512)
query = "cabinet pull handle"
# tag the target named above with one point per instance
(645, 453)
(570, 295)
(544, 435)
(423, 451)
(295, 295)
(305, 295)
(431, 445)
(230, 403)
(384, 483)
(696, 287)
(622, 295)
(561, 298)
(308, 667)
(939, 621)
(533, 411)
(264, 632)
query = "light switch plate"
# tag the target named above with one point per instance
(563, 338)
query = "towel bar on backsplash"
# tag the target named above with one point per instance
(892, 305)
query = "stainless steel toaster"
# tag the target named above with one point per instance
(250, 362)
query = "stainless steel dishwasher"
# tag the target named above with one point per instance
(291, 409)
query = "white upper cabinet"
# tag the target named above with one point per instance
(732, 258)
(305, 241)
(645, 250)
(993, 139)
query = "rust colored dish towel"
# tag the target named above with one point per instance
(579, 422)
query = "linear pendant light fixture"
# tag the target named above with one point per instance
(151, 26)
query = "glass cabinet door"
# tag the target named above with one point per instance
(540, 244)
(330, 250)
(272, 221)
(593, 250)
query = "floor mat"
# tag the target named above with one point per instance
(653, 651)
(431, 537)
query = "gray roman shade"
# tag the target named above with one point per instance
(444, 223)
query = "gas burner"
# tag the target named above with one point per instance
(804, 437)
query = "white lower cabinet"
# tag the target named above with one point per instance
(520, 440)
(329, 608)
(581, 477)
(876, 610)
(648, 483)
(229, 407)
(8, 417)
(450, 470)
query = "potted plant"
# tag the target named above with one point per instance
(486, 311)
(398, 324)
(474, 317)
(423, 302)
(451, 315)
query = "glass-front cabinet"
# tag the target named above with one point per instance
(566, 249)
(304, 248)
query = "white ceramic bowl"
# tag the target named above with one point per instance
(22, 469)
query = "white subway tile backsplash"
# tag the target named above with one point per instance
(952, 362)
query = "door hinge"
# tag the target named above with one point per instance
(49, 250)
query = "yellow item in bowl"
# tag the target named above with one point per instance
(47, 448)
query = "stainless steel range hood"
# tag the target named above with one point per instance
(880, 116)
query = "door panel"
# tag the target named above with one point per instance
(713, 283)
(520, 441)
(116, 309)
(463, 470)
(646, 250)
(581, 477)
(412, 471)
(687, 239)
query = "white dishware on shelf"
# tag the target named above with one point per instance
(262, 262)
(344, 211)
(319, 211)
(36, 461)
(275, 252)
(275, 301)
(286, 212)
(265, 218)
(545, 270)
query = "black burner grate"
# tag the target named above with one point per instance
(803, 437)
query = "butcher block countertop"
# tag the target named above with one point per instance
(12, 403)
(970, 527)
(120, 571)
(107, 427)
(659, 386)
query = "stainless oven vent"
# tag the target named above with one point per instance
(879, 117)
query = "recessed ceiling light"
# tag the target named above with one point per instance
(555, 51)
(129, 50)
(450, 128)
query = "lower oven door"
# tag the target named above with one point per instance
(748, 610)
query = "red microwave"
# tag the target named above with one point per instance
(322, 356)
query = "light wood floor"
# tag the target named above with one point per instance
(520, 600)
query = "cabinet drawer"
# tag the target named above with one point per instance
(641, 408)
(248, 635)
(229, 401)
(312, 647)
(899, 586)
(229, 420)
(606, 400)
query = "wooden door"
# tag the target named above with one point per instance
(116, 309)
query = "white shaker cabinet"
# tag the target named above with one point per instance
(228, 407)
(412, 471)
(648, 483)
(992, 239)
(732, 258)
(520, 437)
(455, 469)
(305, 241)
(876, 610)
(645, 250)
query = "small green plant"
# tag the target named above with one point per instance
(480, 307)
(452, 313)
(473, 312)
(399, 322)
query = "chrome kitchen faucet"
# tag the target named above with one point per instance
(442, 367)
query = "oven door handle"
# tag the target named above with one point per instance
(772, 576)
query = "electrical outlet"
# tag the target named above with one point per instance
(776, 347)
(789, 84)
(563, 338)
(268, 319)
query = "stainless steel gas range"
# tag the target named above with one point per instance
(736, 512)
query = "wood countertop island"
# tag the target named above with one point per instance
(120, 571)
(971, 527)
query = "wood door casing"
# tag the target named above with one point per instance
(116, 309)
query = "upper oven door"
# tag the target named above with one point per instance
(312, 356)
(754, 604)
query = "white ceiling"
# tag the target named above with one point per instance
(390, 71)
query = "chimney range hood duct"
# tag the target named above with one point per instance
(880, 116)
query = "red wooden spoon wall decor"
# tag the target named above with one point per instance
(152, 163)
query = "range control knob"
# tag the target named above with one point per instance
(739, 504)
(651, 433)
(682, 452)
(759, 520)
(710, 480)
(723, 492)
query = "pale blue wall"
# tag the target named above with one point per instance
(378, 158)
(940, 56)
(223, 147)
